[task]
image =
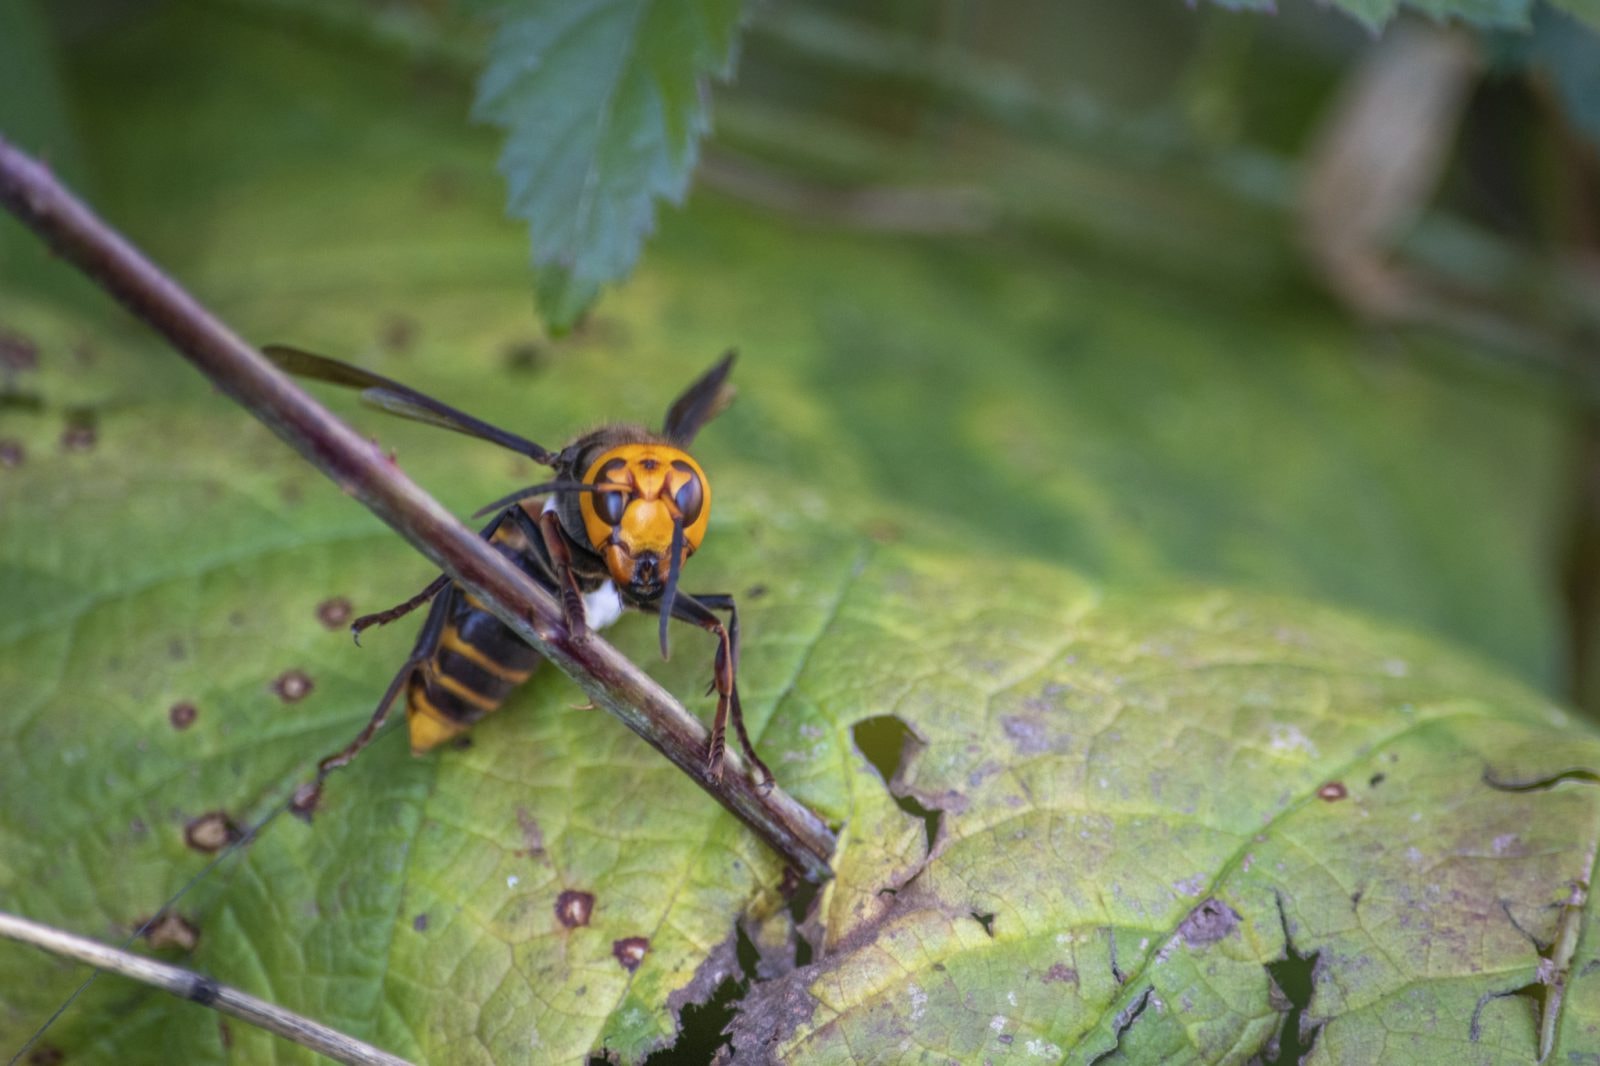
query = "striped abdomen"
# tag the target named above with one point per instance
(474, 666)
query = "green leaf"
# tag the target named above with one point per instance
(604, 103)
(1152, 804)
(1022, 510)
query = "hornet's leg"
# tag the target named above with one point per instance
(724, 679)
(421, 652)
(399, 610)
(555, 543)
(305, 800)
(433, 588)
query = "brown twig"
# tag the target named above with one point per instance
(185, 984)
(31, 192)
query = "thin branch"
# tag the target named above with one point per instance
(31, 192)
(185, 984)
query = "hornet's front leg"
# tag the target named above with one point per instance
(555, 543)
(724, 679)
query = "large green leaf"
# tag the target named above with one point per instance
(1056, 452)
(604, 103)
(1158, 810)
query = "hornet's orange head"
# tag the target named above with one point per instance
(641, 492)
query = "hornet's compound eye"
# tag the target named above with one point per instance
(691, 495)
(609, 504)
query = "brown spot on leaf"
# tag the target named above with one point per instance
(334, 613)
(444, 185)
(1061, 972)
(573, 908)
(212, 831)
(292, 686)
(171, 931)
(420, 923)
(525, 357)
(883, 531)
(1208, 923)
(305, 801)
(630, 951)
(182, 715)
(17, 352)
(1026, 733)
(398, 333)
(78, 437)
(47, 1055)
(224, 1034)
(532, 835)
(1333, 792)
(12, 454)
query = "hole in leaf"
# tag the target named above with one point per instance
(889, 744)
(701, 1025)
(745, 950)
(1124, 1022)
(801, 904)
(985, 920)
(1536, 994)
(1544, 992)
(1293, 978)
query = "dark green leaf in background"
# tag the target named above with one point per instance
(603, 103)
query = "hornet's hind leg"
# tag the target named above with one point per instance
(399, 610)
(305, 800)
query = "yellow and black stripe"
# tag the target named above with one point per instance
(476, 661)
